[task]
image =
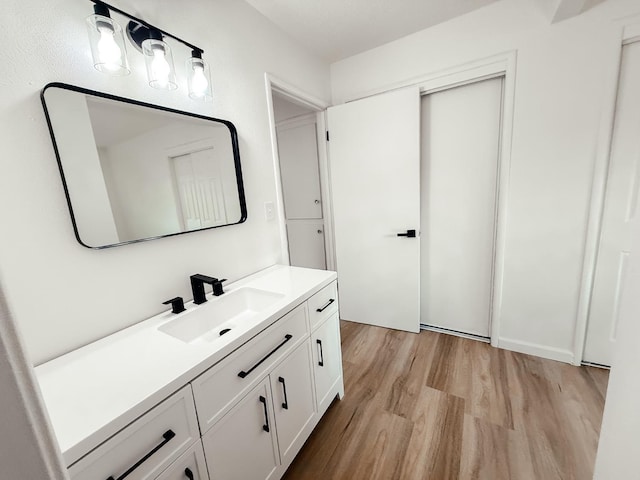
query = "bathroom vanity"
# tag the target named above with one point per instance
(229, 389)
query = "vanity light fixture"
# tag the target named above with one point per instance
(107, 42)
(198, 77)
(157, 56)
(107, 46)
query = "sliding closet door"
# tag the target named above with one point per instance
(620, 211)
(459, 167)
(375, 159)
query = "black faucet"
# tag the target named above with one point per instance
(197, 287)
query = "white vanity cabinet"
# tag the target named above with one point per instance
(259, 437)
(293, 401)
(147, 446)
(190, 466)
(327, 361)
(143, 404)
(243, 444)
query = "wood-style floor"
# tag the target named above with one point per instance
(438, 407)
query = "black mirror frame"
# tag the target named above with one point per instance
(234, 141)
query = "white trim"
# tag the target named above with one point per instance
(299, 97)
(325, 191)
(451, 77)
(43, 453)
(622, 32)
(453, 333)
(300, 120)
(552, 353)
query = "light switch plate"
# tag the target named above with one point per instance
(269, 211)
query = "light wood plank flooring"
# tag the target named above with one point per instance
(438, 407)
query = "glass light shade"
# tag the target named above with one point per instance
(107, 45)
(159, 60)
(199, 79)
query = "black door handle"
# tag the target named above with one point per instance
(285, 404)
(410, 234)
(265, 427)
(321, 361)
(168, 435)
(188, 473)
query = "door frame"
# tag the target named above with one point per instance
(621, 33)
(500, 65)
(294, 94)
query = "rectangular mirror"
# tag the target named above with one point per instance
(134, 171)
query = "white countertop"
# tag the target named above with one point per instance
(95, 391)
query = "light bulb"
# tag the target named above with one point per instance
(108, 50)
(160, 67)
(199, 81)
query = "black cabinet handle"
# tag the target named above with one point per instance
(168, 435)
(410, 234)
(265, 427)
(321, 361)
(331, 300)
(243, 374)
(285, 404)
(188, 473)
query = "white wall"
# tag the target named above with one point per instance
(560, 82)
(64, 295)
(28, 448)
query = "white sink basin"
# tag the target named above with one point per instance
(230, 311)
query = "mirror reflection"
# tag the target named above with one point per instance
(135, 172)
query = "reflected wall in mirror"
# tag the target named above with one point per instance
(134, 171)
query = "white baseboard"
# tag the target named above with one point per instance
(552, 353)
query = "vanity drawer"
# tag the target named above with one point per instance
(147, 446)
(190, 466)
(216, 390)
(323, 304)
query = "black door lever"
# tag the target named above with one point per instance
(410, 234)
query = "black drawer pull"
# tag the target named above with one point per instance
(168, 435)
(331, 300)
(243, 374)
(321, 361)
(188, 473)
(285, 404)
(265, 427)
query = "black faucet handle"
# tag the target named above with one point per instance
(177, 304)
(203, 278)
(217, 287)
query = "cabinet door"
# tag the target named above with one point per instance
(306, 243)
(242, 445)
(292, 387)
(190, 466)
(327, 360)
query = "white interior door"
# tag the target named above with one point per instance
(459, 167)
(620, 211)
(298, 152)
(374, 153)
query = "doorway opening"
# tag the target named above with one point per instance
(298, 132)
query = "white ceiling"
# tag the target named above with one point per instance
(337, 29)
